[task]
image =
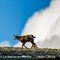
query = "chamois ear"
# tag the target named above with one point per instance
(15, 36)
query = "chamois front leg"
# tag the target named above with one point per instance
(23, 45)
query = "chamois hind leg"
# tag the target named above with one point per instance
(34, 45)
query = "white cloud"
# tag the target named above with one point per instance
(19, 44)
(5, 44)
(41, 23)
(55, 30)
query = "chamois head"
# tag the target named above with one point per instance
(16, 37)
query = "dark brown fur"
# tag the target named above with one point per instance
(26, 38)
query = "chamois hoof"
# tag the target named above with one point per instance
(34, 47)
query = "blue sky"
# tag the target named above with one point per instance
(14, 15)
